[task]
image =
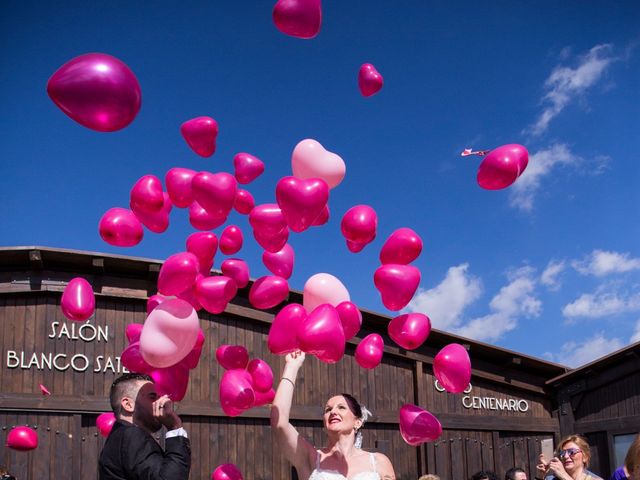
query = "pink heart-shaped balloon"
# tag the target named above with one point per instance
(172, 381)
(133, 330)
(237, 270)
(267, 219)
(232, 357)
(231, 240)
(452, 368)
(322, 218)
(301, 201)
(152, 302)
(244, 202)
(418, 426)
(22, 438)
(227, 471)
(189, 295)
(268, 291)
(146, 195)
(178, 181)
(200, 134)
(261, 375)
(283, 337)
(409, 330)
(369, 351)
(321, 334)
(280, 263)
(178, 273)
(96, 90)
(247, 167)
(131, 358)
(264, 398)
(215, 192)
(193, 358)
(214, 293)
(236, 392)
(201, 219)
(402, 247)
(369, 80)
(359, 226)
(350, 317)
(323, 288)
(157, 222)
(502, 166)
(397, 284)
(298, 18)
(272, 242)
(78, 301)
(204, 246)
(120, 227)
(311, 160)
(105, 422)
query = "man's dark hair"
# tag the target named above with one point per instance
(484, 475)
(354, 406)
(124, 386)
(511, 473)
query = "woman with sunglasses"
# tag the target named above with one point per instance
(570, 463)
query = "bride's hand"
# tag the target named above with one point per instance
(295, 359)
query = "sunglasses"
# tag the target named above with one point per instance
(572, 452)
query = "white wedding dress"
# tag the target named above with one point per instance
(320, 474)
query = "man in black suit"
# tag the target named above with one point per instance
(131, 452)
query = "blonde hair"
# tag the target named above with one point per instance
(632, 460)
(429, 476)
(582, 444)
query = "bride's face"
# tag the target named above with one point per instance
(338, 416)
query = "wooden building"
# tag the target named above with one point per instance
(504, 419)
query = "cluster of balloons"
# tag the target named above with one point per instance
(22, 438)
(226, 471)
(78, 301)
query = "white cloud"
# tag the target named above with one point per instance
(566, 83)
(601, 263)
(601, 304)
(549, 277)
(574, 354)
(635, 336)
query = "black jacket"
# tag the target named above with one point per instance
(130, 453)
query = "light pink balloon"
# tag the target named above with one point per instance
(402, 247)
(169, 333)
(236, 392)
(146, 195)
(418, 426)
(22, 438)
(131, 358)
(247, 167)
(280, 263)
(321, 334)
(157, 222)
(409, 330)
(283, 334)
(359, 226)
(204, 246)
(397, 284)
(268, 291)
(298, 18)
(369, 80)
(178, 181)
(322, 218)
(215, 192)
(261, 375)
(351, 318)
(120, 227)
(105, 422)
(172, 381)
(231, 357)
(227, 471)
(96, 90)
(153, 301)
(193, 358)
(200, 134)
(214, 293)
(133, 330)
(369, 351)
(201, 219)
(502, 166)
(244, 202)
(323, 288)
(310, 160)
(301, 201)
(231, 240)
(78, 301)
(452, 368)
(237, 270)
(178, 273)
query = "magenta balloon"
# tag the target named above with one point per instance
(202, 219)
(402, 247)
(247, 167)
(298, 18)
(193, 358)
(397, 284)
(178, 273)
(236, 392)
(267, 219)
(301, 201)
(272, 242)
(268, 291)
(321, 334)
(227, 471)
(78, 301)
(232, 357)
(96, 90)
(105, 422)
(236, 269)
(133, 331)
(409, 330)
(231, 240)
(502, 166)
(369, 351)
(244, 202)
(22, 438)
(323, 288)
(204, 246)
(264, 398)
(359, 225)
(215, 192)
(157, 222)
(350, 317)
(214, 293)
(283, 336)
(418, 426)
(189, 295)
(178, 181)
(355, 247)
(172, 381)
(452, 368)
(261, 375)
(131, 358)
(153, 301)
(120, 227)
(281, 262)
(369, 80)
(322, 218)
(146, 195)
(200, 134)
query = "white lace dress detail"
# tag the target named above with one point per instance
(321, 474)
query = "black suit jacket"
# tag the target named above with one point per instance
(131, 453)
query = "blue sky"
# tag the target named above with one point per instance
(549, 267)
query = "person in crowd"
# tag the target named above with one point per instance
(5, 475)
(570, 463)
(484, 475)
(429, 476)
(515, 473)
(632, 460)
(130, 451)
(343, 419)
(620, 473)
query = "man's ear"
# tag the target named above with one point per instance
(127, 405)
